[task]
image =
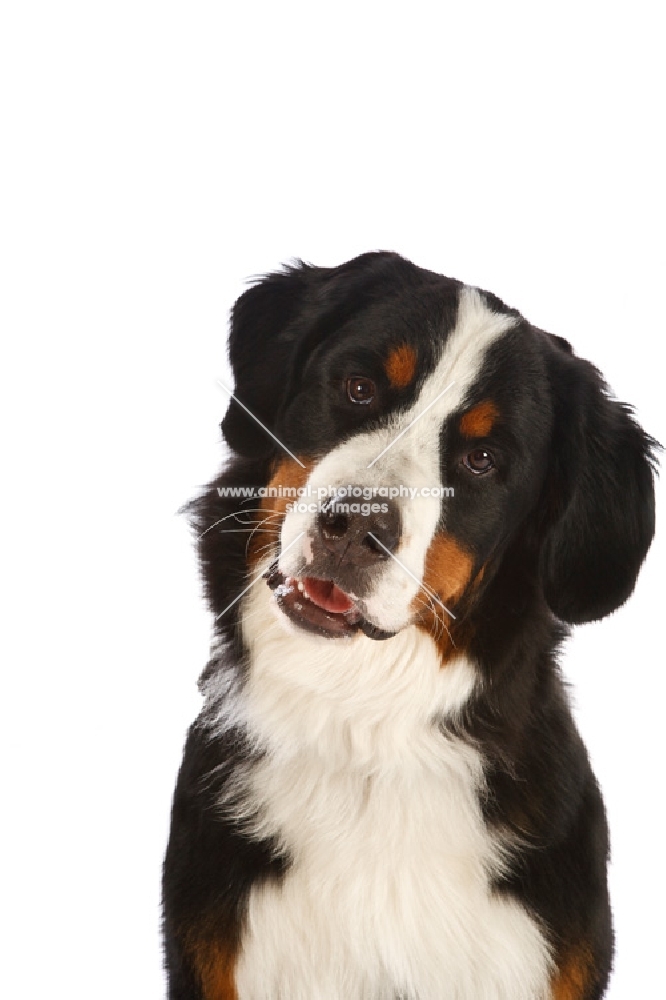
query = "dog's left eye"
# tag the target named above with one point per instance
(360, 389)
(479, 461)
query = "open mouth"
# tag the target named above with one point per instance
(320, 606)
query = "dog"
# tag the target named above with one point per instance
(385, 796)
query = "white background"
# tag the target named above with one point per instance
(154, 156)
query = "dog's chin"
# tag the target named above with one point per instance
(320, 607)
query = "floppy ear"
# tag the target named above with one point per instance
(602, 486)
(262, 345)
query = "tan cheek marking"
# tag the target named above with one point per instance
(572, 980)
(289, 475)
(479, 421)
(448, 571)
(448, 568)
(400, 366)
(214, 965)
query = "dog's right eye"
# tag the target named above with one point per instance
(360, 389)
(479, 461)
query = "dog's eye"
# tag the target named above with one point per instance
(360, 389)
(479, 461)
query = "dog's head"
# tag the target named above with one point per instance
(425, 446)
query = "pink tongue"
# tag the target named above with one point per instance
(326, 595)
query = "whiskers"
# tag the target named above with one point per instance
(237, 517)
(269, 524)
(432, 605)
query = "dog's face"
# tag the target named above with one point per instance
(437, 441)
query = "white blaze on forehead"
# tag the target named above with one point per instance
(477, 329)
(412, 461)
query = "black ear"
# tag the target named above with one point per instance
(602, 495)
(262, 344)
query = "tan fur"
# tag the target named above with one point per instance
(480, 420)
(400, 366)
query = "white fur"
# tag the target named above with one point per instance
(377, 806)
(414, 461)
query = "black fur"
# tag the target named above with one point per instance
(561, 532)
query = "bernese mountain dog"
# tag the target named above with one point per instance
(385, 796)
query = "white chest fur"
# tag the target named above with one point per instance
(388, 893)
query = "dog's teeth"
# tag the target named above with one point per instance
(300, 586)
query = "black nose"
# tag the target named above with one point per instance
(363, 538)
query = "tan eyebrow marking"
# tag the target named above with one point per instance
(400, 366)
(479, 421)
